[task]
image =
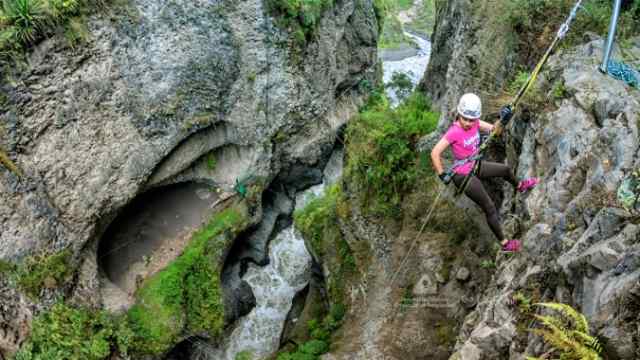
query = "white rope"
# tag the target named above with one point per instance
(564, 28)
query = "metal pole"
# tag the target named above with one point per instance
(612, 35)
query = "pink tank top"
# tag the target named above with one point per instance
(464, 143)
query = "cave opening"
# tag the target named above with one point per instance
(151, 231)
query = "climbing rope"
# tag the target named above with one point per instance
(415, 240)
(10, 165)
(624, 72)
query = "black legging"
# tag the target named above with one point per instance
(476, 192)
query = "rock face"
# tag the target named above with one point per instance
(470, 52)
(158, 90)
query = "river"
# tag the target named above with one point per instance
(412, 62)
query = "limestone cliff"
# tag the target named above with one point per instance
(158, 89)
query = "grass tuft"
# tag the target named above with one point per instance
(381, 151)
(41, 271)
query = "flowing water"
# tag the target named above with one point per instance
(274, 287)
(276, 284)
(288, 272)
(414, 66)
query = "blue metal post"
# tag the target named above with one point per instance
(612, 35)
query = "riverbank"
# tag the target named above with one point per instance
(404, 50)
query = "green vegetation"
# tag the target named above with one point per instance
(392, 35)
(392, 31)
(187, 293)
(24, 22)
(185, 297)
(244, 355)
(568, 334)
(523, 302)
(40, 271)
(559, 91)
(318, 223)
(403, 4)
(381, 9)
(299, 17)
(65, 332)
(6, 267)
(425, 18)
(401, 83)
(212, 163)
(320, 337)
(534, 98)
(537, 21)
(488, 264)
(407, 297)
(446, 334)
(381, 151)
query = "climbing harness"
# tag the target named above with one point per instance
(498, 127)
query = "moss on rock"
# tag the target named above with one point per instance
(66, 332)
(40, 271)
(318, 223)
(187, 295)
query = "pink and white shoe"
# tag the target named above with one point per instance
(527, 184)
(511, 246)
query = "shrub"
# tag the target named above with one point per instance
(381, 156)
(65, 332)
(381, 9)
(487, 264)
(320, 336)
(401, 83)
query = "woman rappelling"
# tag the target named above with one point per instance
(464, 138)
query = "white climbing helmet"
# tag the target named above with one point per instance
(470, 106)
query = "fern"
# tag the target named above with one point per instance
(567, 334)
(579, 319)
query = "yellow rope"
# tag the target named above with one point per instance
(4, 160)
